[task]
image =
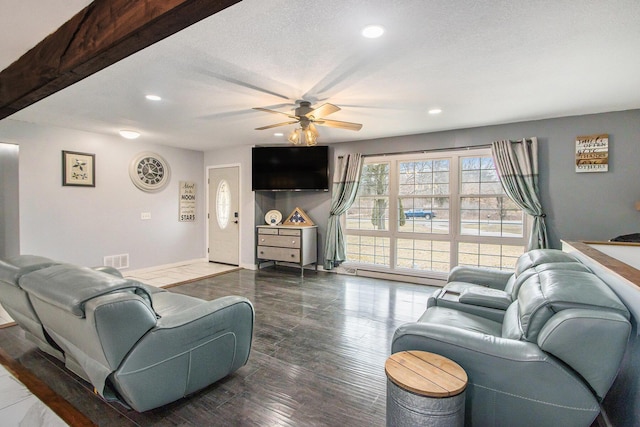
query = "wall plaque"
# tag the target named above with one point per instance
(187, 202)
(592, 153)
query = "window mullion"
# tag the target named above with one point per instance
(455, 203)
(394, 185)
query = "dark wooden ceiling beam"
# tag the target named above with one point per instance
(101, 34)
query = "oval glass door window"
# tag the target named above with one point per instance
(223, 204)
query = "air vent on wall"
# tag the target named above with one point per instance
(117, 261)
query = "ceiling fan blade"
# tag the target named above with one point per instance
(338, 124)
(323, 110)
(276, 125)
(275, 112)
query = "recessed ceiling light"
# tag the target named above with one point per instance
(372, 31)
(278, 134)
(129, 134)
(153, 98)
(435, 111)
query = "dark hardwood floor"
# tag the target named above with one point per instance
(317, 359)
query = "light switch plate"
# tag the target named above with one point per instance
(145, 215)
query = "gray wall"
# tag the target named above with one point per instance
(579, 206)
(9, 212)
(81, 225)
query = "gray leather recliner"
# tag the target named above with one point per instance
(135, 343)
(549, 362)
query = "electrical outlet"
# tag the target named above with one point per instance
(145, 215)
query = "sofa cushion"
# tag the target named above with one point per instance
(462, 320)
(69, 287)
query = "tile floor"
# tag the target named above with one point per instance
(167, 276)
(19, 407)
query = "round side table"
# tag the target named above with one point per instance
(424, 389)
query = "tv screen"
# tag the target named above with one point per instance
(290, 168)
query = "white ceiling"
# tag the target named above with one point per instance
(481, 62)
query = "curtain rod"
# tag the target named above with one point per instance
(468, 147)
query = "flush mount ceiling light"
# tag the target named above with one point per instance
(153, 98)
(435, 111)
(129, 134)
(278, 134)
(372, 31)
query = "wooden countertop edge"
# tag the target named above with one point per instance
(594, 242)
(620, 268)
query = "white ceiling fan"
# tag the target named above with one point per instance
(309, 117)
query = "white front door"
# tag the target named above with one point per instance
(224, 215)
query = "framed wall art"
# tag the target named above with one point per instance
(592, 153)
(78, 169)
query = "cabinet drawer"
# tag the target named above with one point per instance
(267, 230)
(278, 254)
(281, 241)
(289, 232)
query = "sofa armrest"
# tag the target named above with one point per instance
(192, 314)
(490, 277)
(506, 377)
(486, 297)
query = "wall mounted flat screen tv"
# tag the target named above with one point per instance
(290, 168)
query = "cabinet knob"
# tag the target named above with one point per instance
(293, 242)
(262, 240)
(293, 256)
(261, 252)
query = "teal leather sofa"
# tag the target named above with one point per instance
(136, 344)
(548, 359)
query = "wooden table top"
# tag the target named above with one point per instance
(426, 374)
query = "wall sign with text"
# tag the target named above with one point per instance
(187, 202)
(592, 153)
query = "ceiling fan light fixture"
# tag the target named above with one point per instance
(311, 136)
(129, 134)
(295, 137)
(372, 31)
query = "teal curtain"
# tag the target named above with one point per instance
(345, 188)
(517, 166)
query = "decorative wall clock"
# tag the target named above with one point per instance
(149, 171)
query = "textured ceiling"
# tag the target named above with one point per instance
(481, 62)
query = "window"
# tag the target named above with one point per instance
(448, 209)
(223, 204)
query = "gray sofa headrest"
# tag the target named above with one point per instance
(69, 287)
(549, 292)
(9, 273)
(12, 269)
(513, 286)
(541, 256)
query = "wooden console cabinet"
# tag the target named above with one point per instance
(297, 245)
